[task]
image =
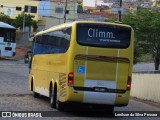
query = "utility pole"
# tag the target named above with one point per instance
(65, 12)
(120, 12)
(24, 21)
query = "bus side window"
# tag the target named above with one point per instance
(1, 33)
(68, 31)
(37, 45)
(8, 36)
(13, 36)
(34, 40)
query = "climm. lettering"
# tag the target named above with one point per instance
(92, 32)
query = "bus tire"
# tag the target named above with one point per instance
(52, 99)
(109, 110)
(59, 105)
(32, 84)
(36, 95)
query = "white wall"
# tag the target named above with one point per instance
(89, 3)
(146, 86)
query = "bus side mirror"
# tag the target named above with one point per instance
(27, 57)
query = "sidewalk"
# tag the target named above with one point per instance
(155, 104)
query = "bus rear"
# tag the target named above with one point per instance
(102, 57)
(7, 40)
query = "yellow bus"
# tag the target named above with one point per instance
(83, 62)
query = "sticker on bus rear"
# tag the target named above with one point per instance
(81, 69)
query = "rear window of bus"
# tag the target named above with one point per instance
(103, 35)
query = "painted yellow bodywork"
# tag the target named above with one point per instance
(54, 68)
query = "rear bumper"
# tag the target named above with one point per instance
(105, 98)
(7, 53)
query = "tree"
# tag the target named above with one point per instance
(5, 18)
(137, 48)
(28, 21)
(80, 8)
(34, 25)
(146, 24)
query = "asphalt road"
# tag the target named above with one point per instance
(15, 96)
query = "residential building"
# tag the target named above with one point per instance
(47, 12)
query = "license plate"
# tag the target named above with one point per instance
(99, 89)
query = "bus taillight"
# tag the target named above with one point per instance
(70, 79)
(129, 83)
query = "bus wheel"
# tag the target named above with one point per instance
(36, 95)
(59, 105)
(109, 109)
(52, 99)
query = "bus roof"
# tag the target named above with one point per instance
(5, 25)
(71, 23)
